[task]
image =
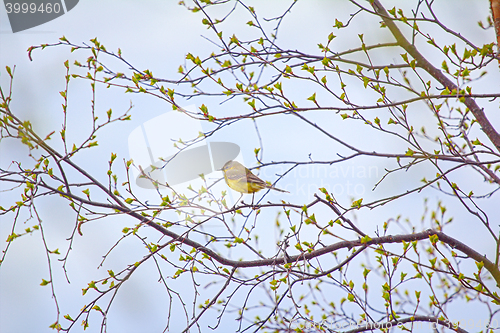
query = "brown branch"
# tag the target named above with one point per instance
(495, 12)
(452, 242)
(212, 302)
(422, 62)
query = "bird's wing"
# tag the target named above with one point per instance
(251, 178)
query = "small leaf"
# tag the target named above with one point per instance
(357, 203)
(312, 97)
(366, 238)
(44, 282)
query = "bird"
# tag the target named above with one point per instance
(242, 180)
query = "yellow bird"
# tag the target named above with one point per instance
(243, 180)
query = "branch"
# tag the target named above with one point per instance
(212, 302)
(422, 62)
(452, 242)
(495, 12)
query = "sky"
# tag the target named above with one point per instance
(157, 35)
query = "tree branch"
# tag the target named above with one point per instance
(422, 62)
(452, 242)
(495, 12)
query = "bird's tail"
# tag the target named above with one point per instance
(278, 189)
